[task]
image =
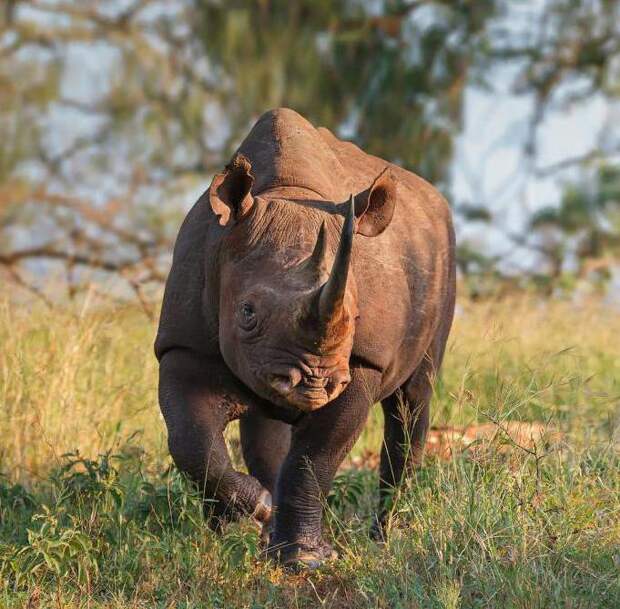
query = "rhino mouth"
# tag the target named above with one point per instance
(308, 400)
(306, 392)
(310, 397)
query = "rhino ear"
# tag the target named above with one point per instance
(374, 207)
(230, 192)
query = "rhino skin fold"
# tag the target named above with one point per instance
(310, 281)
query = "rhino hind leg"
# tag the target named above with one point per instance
(198, 398)
(407, 416)
(265, 443)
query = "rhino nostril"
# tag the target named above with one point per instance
(284, 383)
(339, 381)
(343, 377)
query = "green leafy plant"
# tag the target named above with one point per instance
(240, 546)
(56, 550)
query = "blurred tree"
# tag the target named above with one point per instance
(184, 82)
(388, 75)
(567, 55)
(564, 54)
(180, 83)
(584, 229)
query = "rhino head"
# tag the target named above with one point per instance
(288, 306)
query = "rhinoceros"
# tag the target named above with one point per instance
(310, 281)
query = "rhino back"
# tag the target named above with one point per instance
(405, 276)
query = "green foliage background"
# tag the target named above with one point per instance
(179, 84)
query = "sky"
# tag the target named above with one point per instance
(490, 159)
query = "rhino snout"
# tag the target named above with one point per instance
(308, 392)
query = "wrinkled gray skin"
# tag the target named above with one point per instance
(294, 308)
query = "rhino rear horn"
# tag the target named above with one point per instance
(230, 192)
(331, 300)
(316, 263)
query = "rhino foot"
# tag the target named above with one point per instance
(263, 518)
(298, 557)
(218, 514)
(263, 509)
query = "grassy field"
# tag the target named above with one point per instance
(93, 515)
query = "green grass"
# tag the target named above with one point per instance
(93, 515)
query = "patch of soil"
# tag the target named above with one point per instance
(444, 442)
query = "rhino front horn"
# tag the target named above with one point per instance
(331, 300)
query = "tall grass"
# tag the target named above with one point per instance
(92, 514)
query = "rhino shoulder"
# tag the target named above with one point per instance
(182, 322)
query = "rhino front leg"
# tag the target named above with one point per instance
(319, 444)
(199, 397)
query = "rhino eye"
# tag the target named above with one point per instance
(247, 316)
